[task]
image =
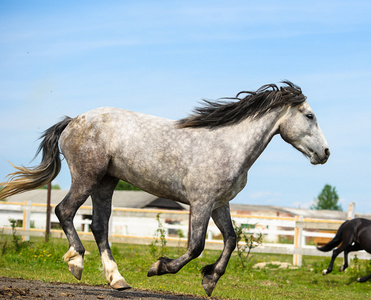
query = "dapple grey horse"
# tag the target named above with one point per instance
(201, 160)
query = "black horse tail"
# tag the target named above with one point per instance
(335, 241)
(26, 179)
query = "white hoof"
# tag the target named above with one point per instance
(113, 276)
(75, 262)
(120, 284)
(75, 270)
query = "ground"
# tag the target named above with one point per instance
(11, 288)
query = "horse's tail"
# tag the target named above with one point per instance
(335, 241)
(26, 179)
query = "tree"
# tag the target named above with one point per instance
(124, 186)
(327, 199)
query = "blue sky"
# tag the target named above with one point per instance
(162, 57)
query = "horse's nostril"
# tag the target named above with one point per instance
(327, 152)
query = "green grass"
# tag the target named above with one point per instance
(43, 261)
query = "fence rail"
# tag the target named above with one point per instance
(298, 228)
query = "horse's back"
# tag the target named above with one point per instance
(131, 146)
(108, 126)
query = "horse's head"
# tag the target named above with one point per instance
(299, 127)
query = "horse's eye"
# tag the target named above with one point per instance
(310, 116)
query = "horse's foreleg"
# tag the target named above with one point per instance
(200, 215)
(65, 212)
(213, 272)
(102, 200)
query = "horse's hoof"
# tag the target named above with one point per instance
(76, 271)
(362, 279)
(208, 285)
(120, 285)
(324, 272)
(161, 267)
(153, 270)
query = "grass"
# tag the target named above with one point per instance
(43, 261)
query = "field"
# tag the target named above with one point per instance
(43, 261)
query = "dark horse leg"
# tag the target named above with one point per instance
(200, 215)
(364, 279)
(85, 178)
(102, 206)
(213, 272)
(65, 212)
(354, 247)
(346, 244)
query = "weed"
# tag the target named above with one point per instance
(358, 268)
(17, 240)
(4, 247)
(16, 245)
(159, 238)
(250, 242)
(181, 235)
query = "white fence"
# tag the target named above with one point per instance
(298, 228)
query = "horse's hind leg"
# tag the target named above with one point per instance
(212, 273)
(86, 175)
(343, 247)
(102, 200)
(65, 212)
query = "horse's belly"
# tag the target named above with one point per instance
(151, 177)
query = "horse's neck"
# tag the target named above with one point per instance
(253, 136)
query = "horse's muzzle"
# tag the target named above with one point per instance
(320, 159)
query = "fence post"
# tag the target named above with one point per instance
(351, 210)
(298, 240)
(209, 235)
(48, 211)
(26, 219)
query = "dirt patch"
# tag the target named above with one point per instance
(14, 288)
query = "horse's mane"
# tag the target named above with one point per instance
(254, 104)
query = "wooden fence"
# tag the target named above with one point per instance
(298, 228)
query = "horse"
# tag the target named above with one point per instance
(354, 235)
(201, 160)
